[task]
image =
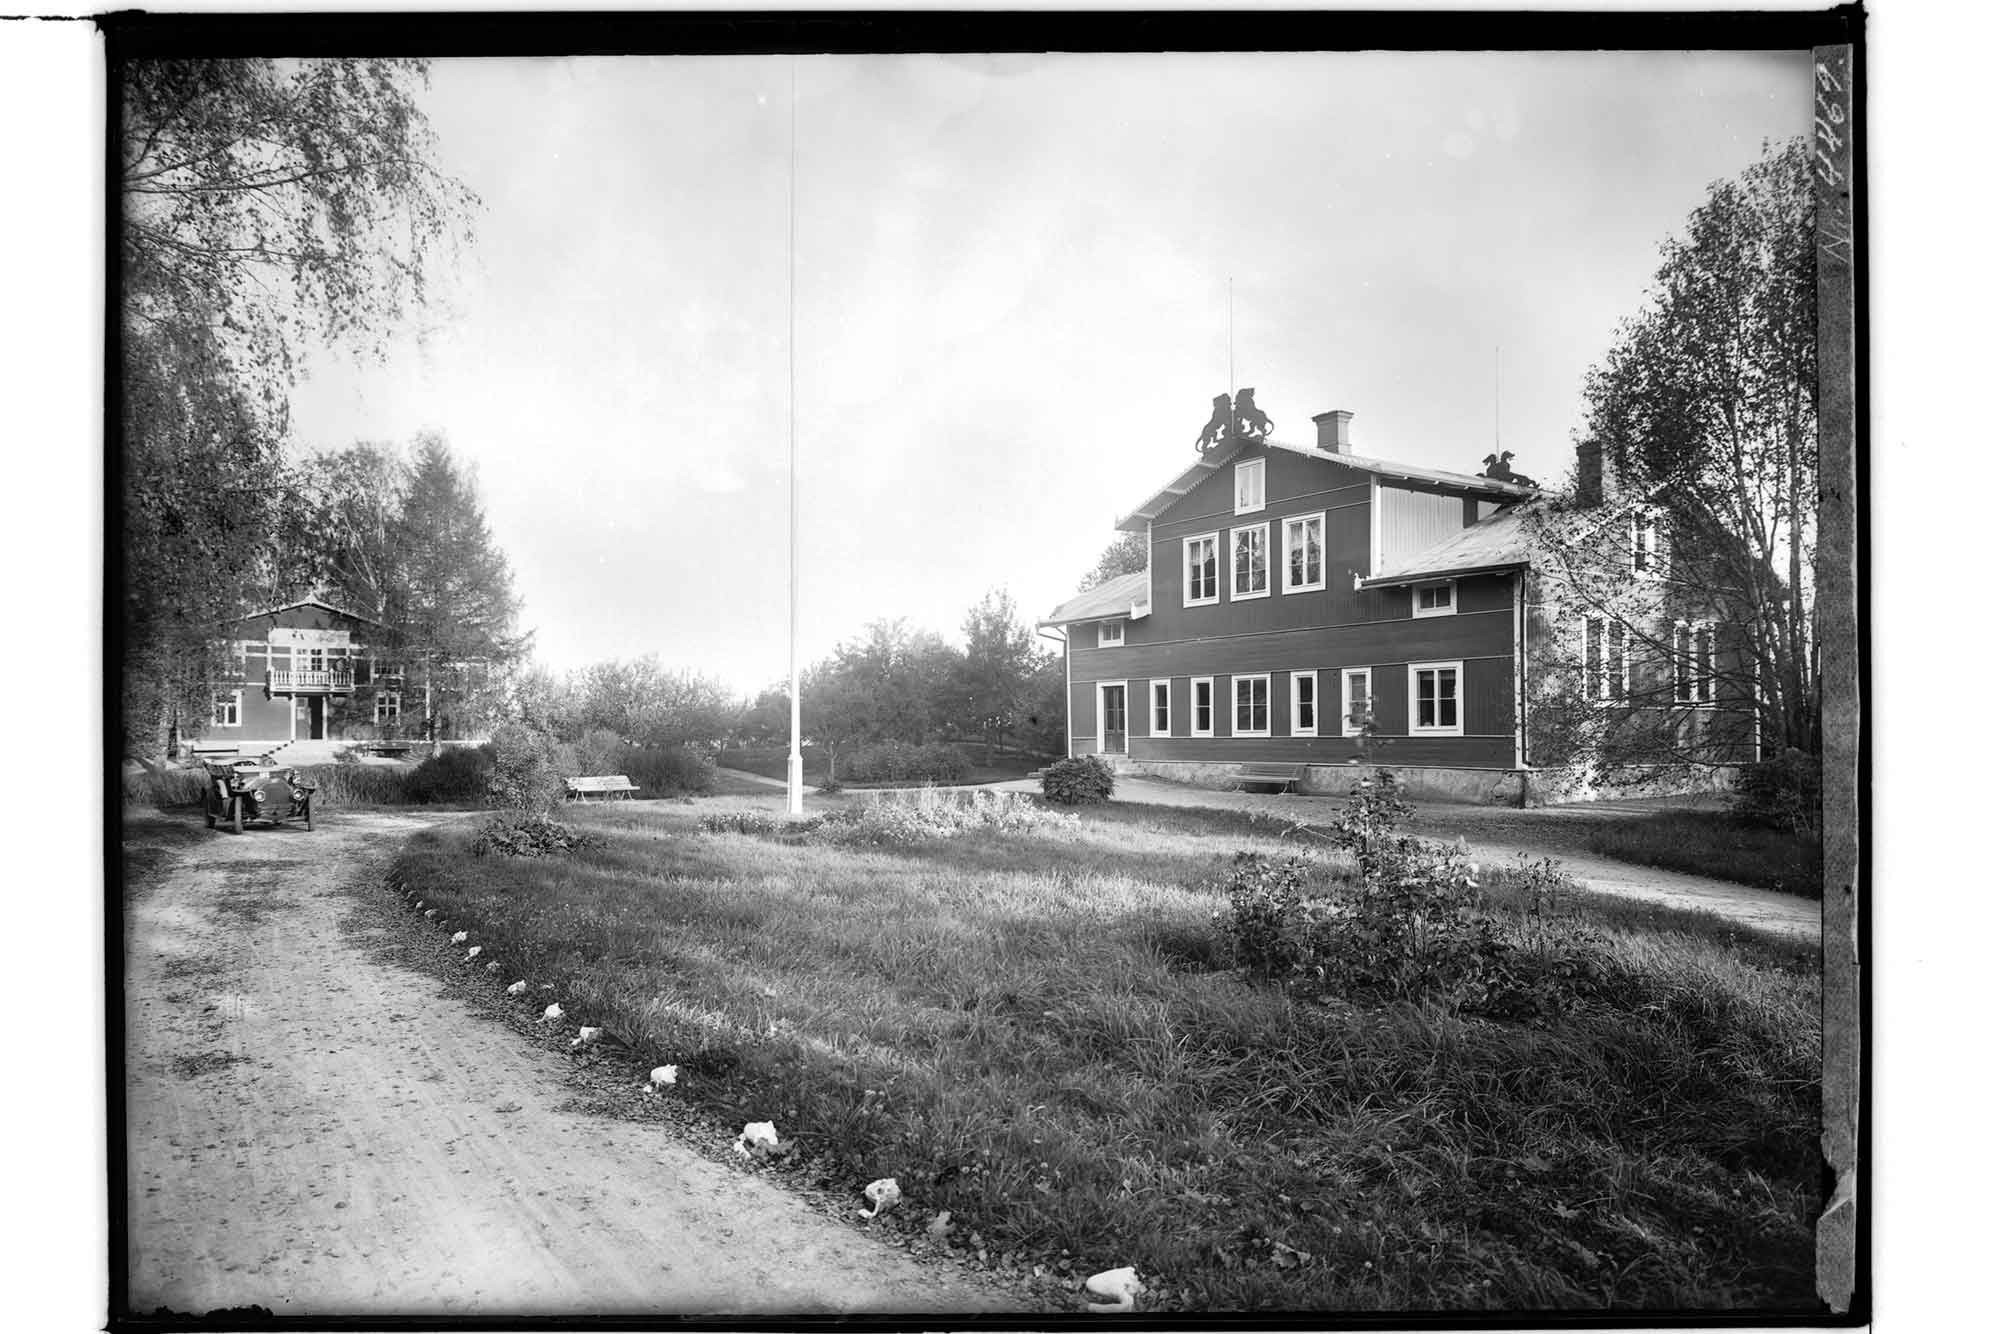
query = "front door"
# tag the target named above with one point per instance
(1111, 715)
(310, 717)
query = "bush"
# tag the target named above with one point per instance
(668, 771)
(1078, 782)
(527, 772)
(1783, 793)
(900, 820)
(1277, 931)
(458, 773)
(534, 835)
(901, 762)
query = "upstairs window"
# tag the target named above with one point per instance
(1305, 553)
(1605, 677)
(1645, 543)
(1434, 599)
(1199, 587)
(1250, 486)
(1110, 634)
(1249, 562)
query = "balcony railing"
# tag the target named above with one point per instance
(302, 681)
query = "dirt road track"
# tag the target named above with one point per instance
(316, 1132)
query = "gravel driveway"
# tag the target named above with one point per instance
(316, 1131)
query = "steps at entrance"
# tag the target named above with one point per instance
(304, 752)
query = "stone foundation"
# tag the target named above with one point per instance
(1486, 787)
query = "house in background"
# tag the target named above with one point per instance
(1300, 601)
(308, 672)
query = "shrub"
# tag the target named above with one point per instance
(532, 835)
(668, 771)
(1783, 793)
(1078, 782)
(527, 772)
(602, 751)
(457, 773)
(901, 762)
(1276, 930)
(930, 815)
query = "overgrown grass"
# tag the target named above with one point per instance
(1040, 1034)
(1714, 843)
(339, 785)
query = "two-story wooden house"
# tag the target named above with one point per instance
(1310, 606)
(305, 672)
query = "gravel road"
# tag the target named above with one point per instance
(315, 1130)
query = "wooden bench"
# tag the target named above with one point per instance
(393, 749)
(1285, 776)
(609, 785)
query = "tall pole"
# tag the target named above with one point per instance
(795, 767)
(1232, 334)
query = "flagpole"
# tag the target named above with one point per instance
(795, 767)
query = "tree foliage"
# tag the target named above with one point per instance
(1704, 415)
(267, 207)
(1127, 555)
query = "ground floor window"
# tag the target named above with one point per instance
(1434, 699)
(1162, 710)
(1305, 703)
(1202, 691)
(228, 709)
(1694, 663)
(388, 706)
(1253, 705)
(1357, 700)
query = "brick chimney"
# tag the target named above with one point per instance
(1596, 476)
(1333, 431)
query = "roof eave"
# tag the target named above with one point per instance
(1449, 572)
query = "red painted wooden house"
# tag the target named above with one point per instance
(305, 672)
(1296, 596)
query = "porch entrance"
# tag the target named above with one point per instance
(1111, 718)
(309, 718)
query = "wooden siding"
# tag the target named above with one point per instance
(1415, 516)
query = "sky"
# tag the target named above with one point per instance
(995, 300)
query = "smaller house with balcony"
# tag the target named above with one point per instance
(308, 671)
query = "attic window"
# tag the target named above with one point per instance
(1110, 634)
(1250, 486)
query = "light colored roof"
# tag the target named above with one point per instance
(1111, 599)
(1136, 521)
(1498, 542)
(307, 602)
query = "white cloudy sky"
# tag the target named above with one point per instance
(1012, 303)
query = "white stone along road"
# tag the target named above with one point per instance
(316, 1131)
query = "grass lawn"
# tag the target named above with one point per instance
(1038, 1031)
(1705, 841)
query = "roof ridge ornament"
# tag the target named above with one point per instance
(1229, 423)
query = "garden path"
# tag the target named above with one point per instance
(315, 1130)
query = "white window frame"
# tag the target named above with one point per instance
(1450, 587)
(1188, 547)
(1301, 521)
(1111, 634)
(1196, 684)
(1254, 468)
(1251, 681)
(1160, 701)
(1457, 727)
(1643, 548)
(394, 712)
(1312, 678)
(1234, 534)
(1348, 726)
(221, 713)
(1694, 663)
(1597, 681)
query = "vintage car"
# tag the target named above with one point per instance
(240, 791)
